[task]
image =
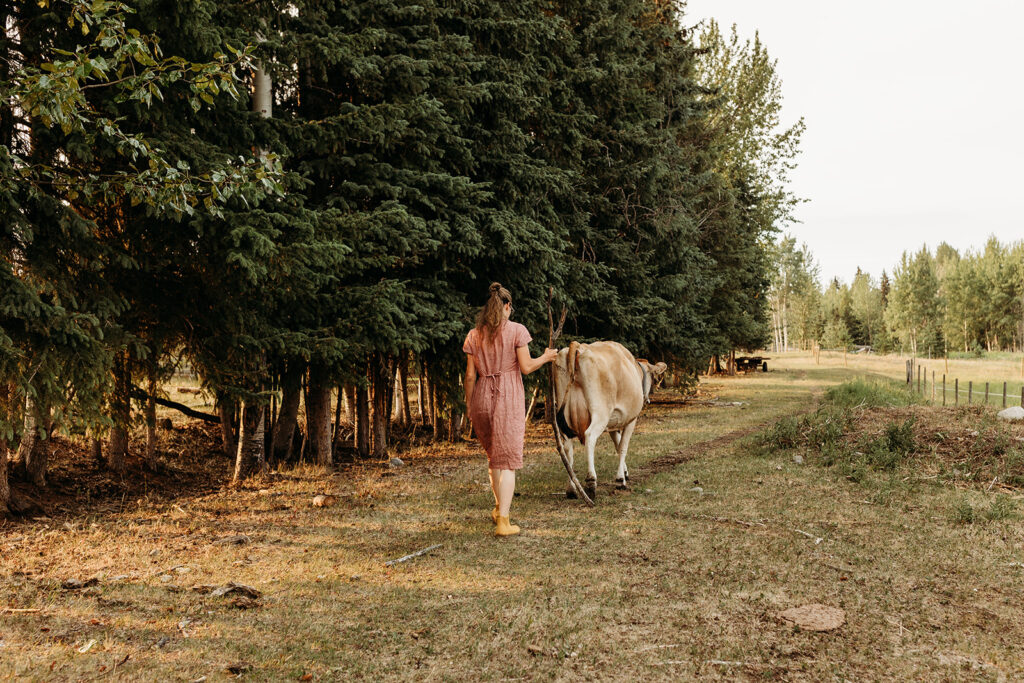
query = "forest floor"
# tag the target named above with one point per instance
(737, 513)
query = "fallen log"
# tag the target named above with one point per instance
(174, 405)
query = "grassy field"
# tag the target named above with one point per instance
(994, 369)
(683, 577)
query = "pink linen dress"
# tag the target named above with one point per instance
(498, 405)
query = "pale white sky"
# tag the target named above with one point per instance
(914, 111)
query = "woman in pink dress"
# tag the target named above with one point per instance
(497, 357)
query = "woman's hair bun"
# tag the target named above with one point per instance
(495, 288)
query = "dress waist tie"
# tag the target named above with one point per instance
(495, 386)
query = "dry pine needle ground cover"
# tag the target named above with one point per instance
(685, 576)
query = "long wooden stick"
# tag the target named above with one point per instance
(391, 563)
(559, 438)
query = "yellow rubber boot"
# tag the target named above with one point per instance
(494, 514)
(504, 528)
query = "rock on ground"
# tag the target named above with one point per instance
(1011, 414)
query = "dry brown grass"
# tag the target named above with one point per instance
(683, 577)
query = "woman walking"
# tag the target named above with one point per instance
(496, 358)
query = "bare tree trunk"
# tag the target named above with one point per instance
(424, 395)
(337, 413)
(226, 410)
(350, 404)
(318, 417)
(151, 433)
(283, 440)
(362, 401)
(29, 435)
(121, 408)
(381, 380)
(435, 415)
(785, 326)
(403, 379)
(250, 458)
(5, 486)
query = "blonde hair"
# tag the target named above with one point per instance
(492, 315)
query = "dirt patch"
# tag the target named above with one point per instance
(190, 463)
(966, 445)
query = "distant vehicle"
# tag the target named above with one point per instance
(752, 363)
(863, 349)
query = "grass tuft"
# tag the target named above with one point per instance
(864, 393)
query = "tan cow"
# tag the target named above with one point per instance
(601, 387)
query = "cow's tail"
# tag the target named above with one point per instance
(572, 361)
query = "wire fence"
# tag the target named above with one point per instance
(929, 383)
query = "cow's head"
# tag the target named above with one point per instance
(652, 375)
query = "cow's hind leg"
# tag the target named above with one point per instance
(620, 482)
(622, 476)
(593, 432)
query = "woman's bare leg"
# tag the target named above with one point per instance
(506, 488)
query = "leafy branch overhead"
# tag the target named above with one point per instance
(130, 67)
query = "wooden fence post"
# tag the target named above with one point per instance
(919, 379)
(970, 392)
(956, 391)
(943, 389)
(986, 393)
(933, 386)
(1004, 394)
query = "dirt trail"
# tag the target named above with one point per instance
(704, 448)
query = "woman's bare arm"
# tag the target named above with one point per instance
(470, 381)
(527, 364)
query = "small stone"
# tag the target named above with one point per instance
(798, 459)
(165, 578)
(324, 501)
(396, 462)
(154, 552)
(1011, 414)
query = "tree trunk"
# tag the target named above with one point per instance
(283, 440)
(425, 413)
(381, 380)
(151, 433)
(318, 417)
(785, 329)
(435, 415)
(403, 380)
(250, 457)
(337, 413)
(390, 367)
(362, 407)
(350, 404)
(5, 487)
(121, 409)
(226, 409)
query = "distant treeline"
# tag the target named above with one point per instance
(313, 197)
(934, 302)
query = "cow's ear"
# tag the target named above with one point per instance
(659, 368)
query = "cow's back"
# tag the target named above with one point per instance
(606, 384)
